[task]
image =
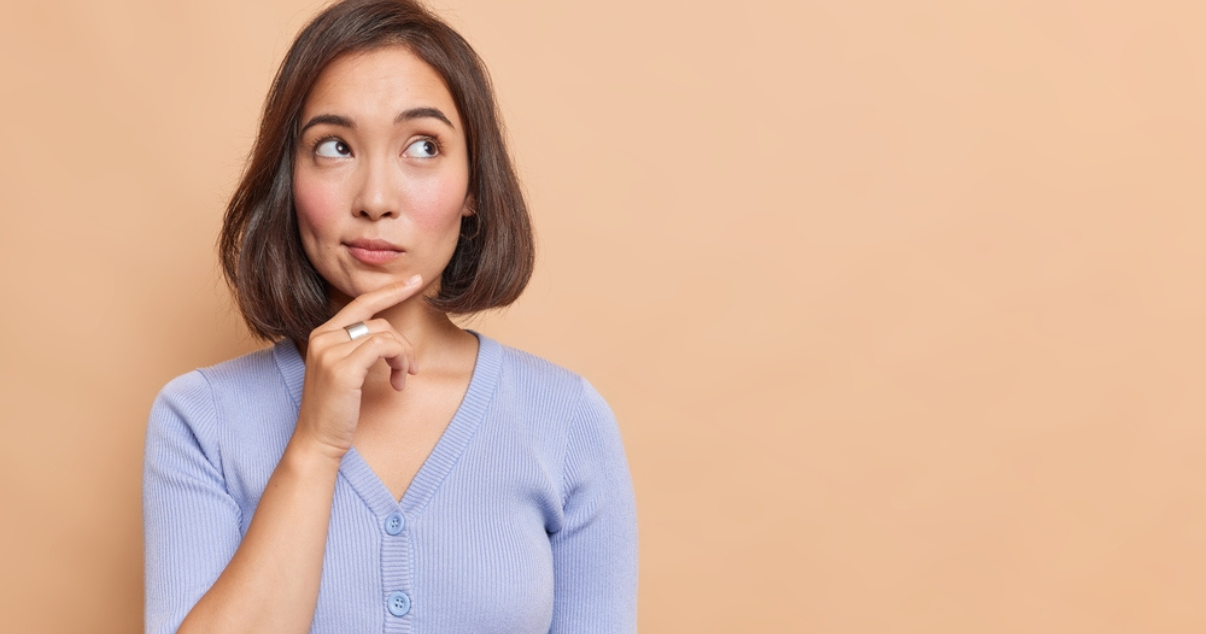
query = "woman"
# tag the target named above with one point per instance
(378, 468)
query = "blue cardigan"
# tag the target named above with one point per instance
(522, 519)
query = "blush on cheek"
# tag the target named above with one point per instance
(436, 205)
(318, 205)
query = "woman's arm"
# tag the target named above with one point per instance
(192, 529)
(191, 523)
(595, 552)
(270, 582)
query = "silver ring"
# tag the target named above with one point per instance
(357, 330)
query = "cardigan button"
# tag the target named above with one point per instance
(395, 523)
(398, 604)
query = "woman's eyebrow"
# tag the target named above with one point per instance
(332, 119)
(405, 115)
(419, 113)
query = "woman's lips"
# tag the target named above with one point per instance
(373, 251)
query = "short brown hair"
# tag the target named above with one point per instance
(278, 290)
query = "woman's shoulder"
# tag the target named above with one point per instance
(272, 364)
(563, 407)
(543, 384)
(537, 368)
(276, 368)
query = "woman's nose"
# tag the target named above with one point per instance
(380, 192)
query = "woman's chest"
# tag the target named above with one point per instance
(396, 432)
(474, 556)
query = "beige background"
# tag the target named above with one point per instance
(899, 304)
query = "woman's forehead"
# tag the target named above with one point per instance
(379, 84)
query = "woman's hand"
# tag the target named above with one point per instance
(336, 367)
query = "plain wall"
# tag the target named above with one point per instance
(899, 304)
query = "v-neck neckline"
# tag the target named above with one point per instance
(443, 456)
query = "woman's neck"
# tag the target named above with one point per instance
(430, 332)
(436, 341)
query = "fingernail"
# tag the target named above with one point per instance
(414, 279)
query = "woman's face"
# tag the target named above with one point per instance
(381, 173)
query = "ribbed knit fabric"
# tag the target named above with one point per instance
(521, 520)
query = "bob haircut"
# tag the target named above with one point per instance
(279, 292)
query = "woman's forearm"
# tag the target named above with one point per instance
(271, 584)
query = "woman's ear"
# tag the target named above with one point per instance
(470, 207)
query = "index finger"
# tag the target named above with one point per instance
(365, 306)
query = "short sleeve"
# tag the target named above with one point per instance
(595, 551)
(190, 521)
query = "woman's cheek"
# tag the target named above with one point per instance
(437, 204)
(318, 207)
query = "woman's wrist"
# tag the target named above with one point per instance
(306, 453)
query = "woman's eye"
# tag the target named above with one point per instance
(333, 148)
(423, 148)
